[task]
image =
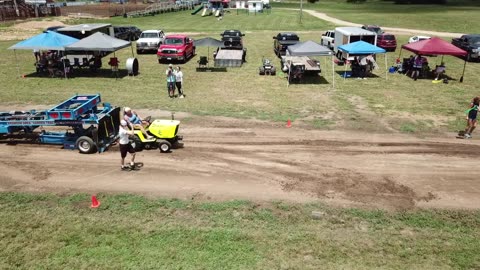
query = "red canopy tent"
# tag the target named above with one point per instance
(436, 46)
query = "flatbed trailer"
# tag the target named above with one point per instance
(229, 57)
(93, 126)
(311, 65)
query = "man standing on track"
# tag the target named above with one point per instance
(125, 146)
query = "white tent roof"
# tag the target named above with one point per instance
(98, 42)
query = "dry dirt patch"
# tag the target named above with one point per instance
(228, 158)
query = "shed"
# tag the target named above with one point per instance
(255, 6)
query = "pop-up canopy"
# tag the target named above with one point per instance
(436, 46)
(45, 41)
(361, 48)
(311, 48)
(98, 42)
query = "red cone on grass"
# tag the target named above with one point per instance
(289, 123)
(95, 202)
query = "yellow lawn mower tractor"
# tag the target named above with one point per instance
(164, 133)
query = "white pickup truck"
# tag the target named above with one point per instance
(328, 39)
(150, 40)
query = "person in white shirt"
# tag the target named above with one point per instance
(179, 81)
(125, 146)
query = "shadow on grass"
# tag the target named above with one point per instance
(311, 79)
(348, 74)
(82, 73)
(211, 69)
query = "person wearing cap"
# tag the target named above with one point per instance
(125, 146)
(170, 81)
(135, 122)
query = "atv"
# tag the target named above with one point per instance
(267, 68)
(164, 134)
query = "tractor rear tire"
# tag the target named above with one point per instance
(164, 146)
(273, 71)
(85, 145)
(261, 71)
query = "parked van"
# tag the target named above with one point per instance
(346, 35)
(387, 41)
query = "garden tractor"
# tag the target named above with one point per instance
(164, 134)
(267, 68)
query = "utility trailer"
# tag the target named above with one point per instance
(93, 127)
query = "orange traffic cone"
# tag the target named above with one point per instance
(95, 202)
(289, 123)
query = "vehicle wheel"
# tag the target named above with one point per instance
(85, 145)
(184, 58)
(164, 146)
(193, 52)
(261, 71)
(159, 61)
(147, 146)
(137, 144)
(273, 71)
(177, 144)
(139, 52)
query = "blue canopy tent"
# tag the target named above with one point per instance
(362, 48)
(45, 41)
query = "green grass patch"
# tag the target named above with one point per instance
(131, 231)
(241, 92)
(386, 13)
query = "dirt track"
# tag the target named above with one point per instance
(235, 159)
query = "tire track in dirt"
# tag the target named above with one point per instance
(234, 159)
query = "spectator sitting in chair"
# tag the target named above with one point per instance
(135, 122)
(439, 71)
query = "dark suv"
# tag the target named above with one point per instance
(373, 28)
(128, 33)
(282, 41)
(387, 42)
(232, 39)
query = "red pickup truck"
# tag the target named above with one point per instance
(176, 47)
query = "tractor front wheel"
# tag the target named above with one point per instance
(85, 145)
(164, 146)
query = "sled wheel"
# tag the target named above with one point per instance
(164, 146)
(85, 145)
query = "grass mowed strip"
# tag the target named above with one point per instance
(128, 231)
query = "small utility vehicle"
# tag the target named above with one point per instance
(267, 68)
(164, 134)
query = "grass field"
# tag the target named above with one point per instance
(51, 232)
(242, 93)
(460, 13)
(62, 232)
